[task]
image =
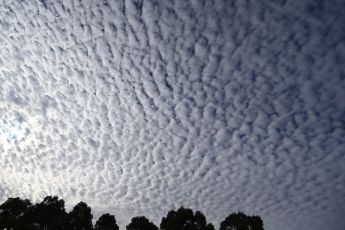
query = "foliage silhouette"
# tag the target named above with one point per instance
(12, 211)
(106, 222)
(141, 223)
(51, 210)
(184, 219)
(240, 221)
(80, 218)
(27, 226)
(50, 214)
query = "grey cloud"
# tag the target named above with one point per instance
(137, 107)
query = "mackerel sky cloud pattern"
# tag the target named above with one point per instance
(140, 106)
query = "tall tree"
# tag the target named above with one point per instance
(50, 211)
(141, 223)
(106, 222)
(184, 219)
(80, 218)
(240, 221)
(12, 211)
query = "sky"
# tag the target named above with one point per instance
(140, 106)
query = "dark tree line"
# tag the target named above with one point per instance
(50, 214)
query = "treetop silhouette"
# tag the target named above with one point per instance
(141, 223)
(106, 222)
(50, 214)
(185, 219)
(240, 221)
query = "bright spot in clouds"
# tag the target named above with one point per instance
(11, 131)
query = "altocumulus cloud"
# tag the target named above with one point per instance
(138, 107)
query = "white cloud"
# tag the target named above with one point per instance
(137, 107)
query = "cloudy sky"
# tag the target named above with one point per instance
(141, 106)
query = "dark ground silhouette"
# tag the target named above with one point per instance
(50, 214)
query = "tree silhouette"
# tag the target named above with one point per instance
(47, 213)
(106, 222)
(80, 218)
(184, 219)
(27, 226)
(209, 227)
(240, 221)
(50, 214)
(141, 223)
(12, 211)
